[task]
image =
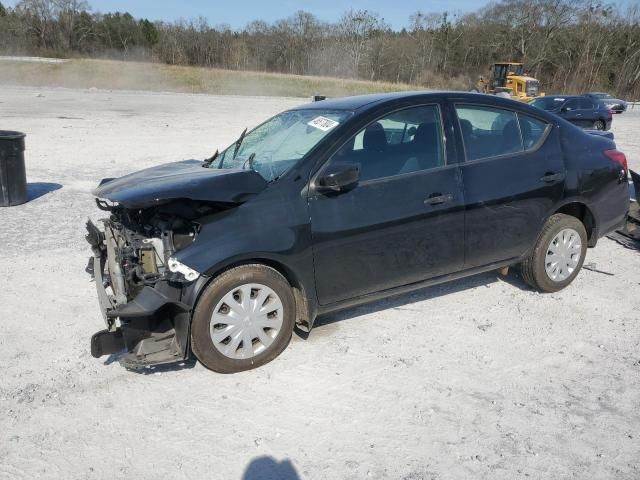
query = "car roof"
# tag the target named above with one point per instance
(361, 103)
(357, 102)
(566, 97)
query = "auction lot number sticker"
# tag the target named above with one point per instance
(323, 123)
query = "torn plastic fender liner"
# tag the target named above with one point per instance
(146, 304)
(153, 324)
(105, 342)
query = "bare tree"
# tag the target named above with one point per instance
(355, 30)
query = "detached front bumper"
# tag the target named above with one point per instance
(152, 328)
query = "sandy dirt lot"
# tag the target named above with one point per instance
(482, 378)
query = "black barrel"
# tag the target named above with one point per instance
(13, 178)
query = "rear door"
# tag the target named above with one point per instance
(513, 174)
(403, 222)
(589, 112)
(571, 111)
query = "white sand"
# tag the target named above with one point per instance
(479, 378)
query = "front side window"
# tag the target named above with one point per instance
(571, 104)
(279, 143)
(488, 132)
(405, 141)
(547, 103)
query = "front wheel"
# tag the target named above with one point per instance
(558, 254)
(243, 320)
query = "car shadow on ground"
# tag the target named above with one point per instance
(40, 189)
(268, 468)
(154, 369)
(395, 302)
(427, 293)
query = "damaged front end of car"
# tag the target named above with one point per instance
(145, 293)
(140, 286)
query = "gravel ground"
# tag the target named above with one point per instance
(479, 378)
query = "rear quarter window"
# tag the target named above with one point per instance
(534, 131)
(488, 132)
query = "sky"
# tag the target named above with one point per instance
(238, 13)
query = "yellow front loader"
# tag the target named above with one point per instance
(510, 79)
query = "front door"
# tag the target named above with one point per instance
(572, 112)
(403, 222)
(513, 174)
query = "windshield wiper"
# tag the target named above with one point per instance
(238, 143)
(250, 161)
(209, 161)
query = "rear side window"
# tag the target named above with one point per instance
(533, 131)
(585, 104)
(488, 132)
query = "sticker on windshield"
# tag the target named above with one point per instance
(323, 123)
(558, 99)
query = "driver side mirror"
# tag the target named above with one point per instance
(338, 178)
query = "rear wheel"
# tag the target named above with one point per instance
(598, 125)
(558, 254)
(243, 320)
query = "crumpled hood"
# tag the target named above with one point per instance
(181, 180)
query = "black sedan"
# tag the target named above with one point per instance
(582, 111)
(338, 203)
(614, 104)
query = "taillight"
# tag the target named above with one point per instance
(618, 157)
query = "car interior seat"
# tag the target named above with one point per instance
(511, 140)
(427, 145)
(374, 143)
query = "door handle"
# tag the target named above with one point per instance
(438, 199)
(552, 177)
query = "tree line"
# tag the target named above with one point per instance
(571, 46)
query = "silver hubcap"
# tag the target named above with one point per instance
(246, 321)
(563, 255)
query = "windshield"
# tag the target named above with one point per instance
(279, 143)
(547, 103)
(602, 95)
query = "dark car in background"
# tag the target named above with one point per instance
(582, 111)
(338, 203)
(615, 104)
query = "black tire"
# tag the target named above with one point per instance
(533, 268)
(201, 342)
(598, 125)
